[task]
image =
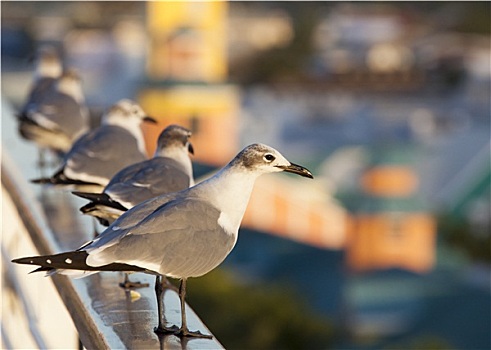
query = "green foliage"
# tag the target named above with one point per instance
(461, 234)
(474, 17)
(425, 342)
(245, 317)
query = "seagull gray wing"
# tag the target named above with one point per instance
(147, 179)
(102, 153)
(59, 111)
(129, 173)
(39, 90)
(129, 220)
(180, 238)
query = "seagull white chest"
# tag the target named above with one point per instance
(230, 194)
(229, 224)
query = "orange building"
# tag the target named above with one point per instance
(390, 227)
(302, 211)
(187, 71)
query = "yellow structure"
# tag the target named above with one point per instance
(188, 40)
(187, 71)
(390, 228)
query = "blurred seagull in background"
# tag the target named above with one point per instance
(170, 170)
(100, 153)
(180, 235)
(54, 114)
(48, 69)
(58, 116)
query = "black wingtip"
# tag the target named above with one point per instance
(21, 261)
(41, 181)
(96, 199)
(85, 195)
(32, 260)
(60, 179)
(29, 261)
(74, 260)
(40, 269)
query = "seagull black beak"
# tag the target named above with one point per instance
(297, 169)
(190, 148)
(150, 120)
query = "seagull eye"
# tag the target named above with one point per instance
(269, 157)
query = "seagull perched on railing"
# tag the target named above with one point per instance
(170, 170)
(54, 114)
(48, 68)
(180, 235)
(57, 116)
(100, 153)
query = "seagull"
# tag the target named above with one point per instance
(180, 235)
(56, 116)
(48, 68)
(100, 153)
(170, 170)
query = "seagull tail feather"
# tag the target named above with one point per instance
(60, 178)
(43, 181)
(98, 198)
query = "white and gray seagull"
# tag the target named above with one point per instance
(180, 235)
(57, 116)
(54, 113)
(170, 170)
(48, 68)
(100, 153)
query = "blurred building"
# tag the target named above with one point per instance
(298, 210)
(252, 29)
(187, 72)
(391, 228)
(366, 47)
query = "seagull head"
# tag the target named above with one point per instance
(48, 62)
(126, 112)
(174, 138)
(264, 159)
(70, 84)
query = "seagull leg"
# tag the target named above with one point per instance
(169, 285)
(184, 331)
(159, 289)
(127, 284)
(41, 158)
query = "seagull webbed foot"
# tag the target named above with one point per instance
(166, 330)
(133, 285)
(127, 284)
(192, 334)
